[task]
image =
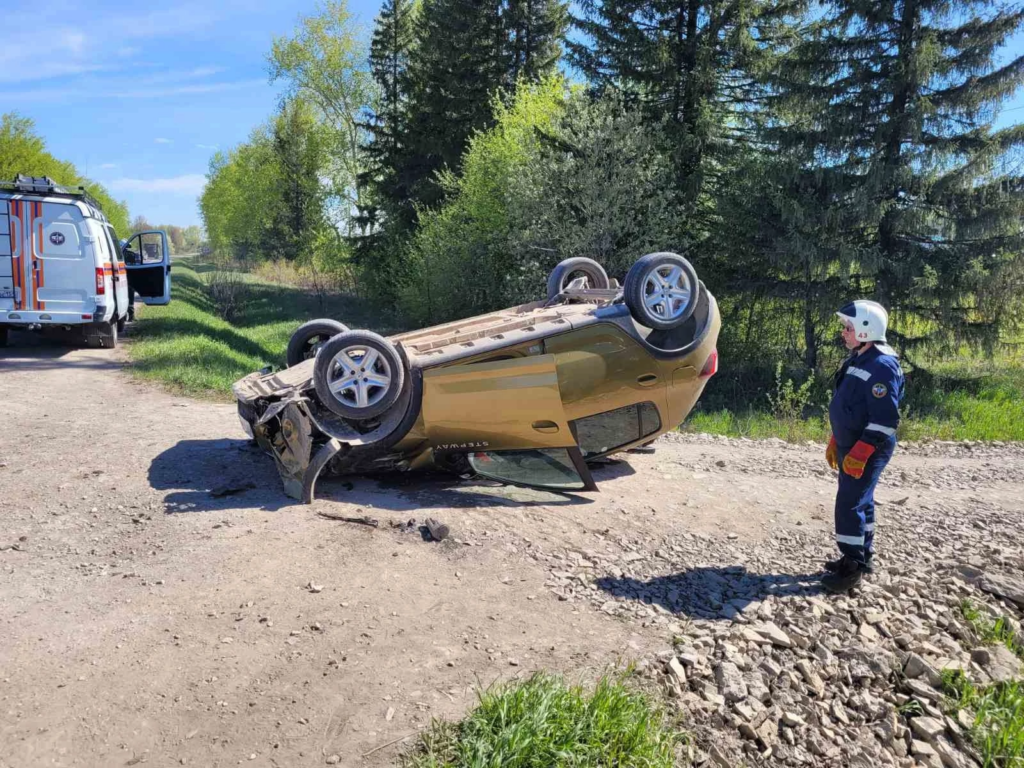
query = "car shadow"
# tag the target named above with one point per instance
(216, 475)
(713, 593)
(222, 474)
(604, 470)
(435, 489)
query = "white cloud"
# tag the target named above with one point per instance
(107, 166)
(163, 141)
(190, 184)
(207, 146)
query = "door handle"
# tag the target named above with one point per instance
(547, 427)
(647, 380)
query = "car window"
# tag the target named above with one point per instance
(550, 468)
(604, 432)
(152, 248)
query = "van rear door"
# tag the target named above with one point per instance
(60, 270)
(148, 261)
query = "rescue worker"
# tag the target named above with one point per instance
(864, 414)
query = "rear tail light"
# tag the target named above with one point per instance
(101, 283)
(710, 365)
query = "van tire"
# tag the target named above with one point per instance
(3, 335)
(108, 335)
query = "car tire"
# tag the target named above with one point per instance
(339, 360)
(309, 337)
(647, 281)
(3, 335)
(562, 274)
(108, 335)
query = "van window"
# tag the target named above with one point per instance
(112, 244)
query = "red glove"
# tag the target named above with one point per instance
(832, 453)
(853, 464)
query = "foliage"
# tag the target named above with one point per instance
(789, 401)
(881, 115)
(992, 631)
(544, 722)
(324, 64)
(22, 150)
(558, 176)
(998, 718)
(241, 199)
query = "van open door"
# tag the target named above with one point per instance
(148, 261)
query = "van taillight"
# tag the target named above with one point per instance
(710, 365)
(101, 284)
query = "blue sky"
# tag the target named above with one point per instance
(140, 95)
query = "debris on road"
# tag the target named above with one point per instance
(314, 588)
(364, 520)
(437, 529)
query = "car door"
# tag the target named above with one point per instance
(148, 262)
(507, 417)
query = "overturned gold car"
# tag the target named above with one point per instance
(527, 395)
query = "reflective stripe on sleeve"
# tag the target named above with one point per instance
(869, 528)
(879, 428)
(860, 373)
(857, 541)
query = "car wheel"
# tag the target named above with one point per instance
(661, 290)
(3, 335)
(108, 335)
(569, 269)
(358, 374)
(309, 337)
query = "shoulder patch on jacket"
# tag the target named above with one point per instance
(879, 390)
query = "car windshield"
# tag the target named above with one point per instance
(540, 468)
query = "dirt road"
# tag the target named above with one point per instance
(145, 619)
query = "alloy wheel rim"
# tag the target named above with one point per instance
(667, 292)
(359, 376)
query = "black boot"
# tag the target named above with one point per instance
(833, 565)
(845, 577)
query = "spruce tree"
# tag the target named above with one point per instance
(887, 111)
(535, 31)
(690, 63)
(394, 39)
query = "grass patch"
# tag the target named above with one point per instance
(997, 713)
(542, 722)
(997, 631)
(190, 346)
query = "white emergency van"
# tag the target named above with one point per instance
(63, 267)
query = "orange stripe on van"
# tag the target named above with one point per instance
(19, 275)
(40, 279)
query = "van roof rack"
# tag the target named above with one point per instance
(44, 185)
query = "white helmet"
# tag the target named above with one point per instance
(868, 318)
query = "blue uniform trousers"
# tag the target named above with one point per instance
(855, 504)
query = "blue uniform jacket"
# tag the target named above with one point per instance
(866, 401)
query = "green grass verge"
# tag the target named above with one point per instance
(542, 722)
(190, 347)
(996, 711)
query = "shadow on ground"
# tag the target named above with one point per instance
(216, 475)
(222, 474)
(717, 593)
(48, 351)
